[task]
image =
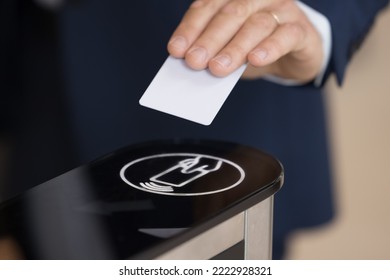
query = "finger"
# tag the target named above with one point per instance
(258, 27)
(220, 31)
(192, 25)
(287, 38)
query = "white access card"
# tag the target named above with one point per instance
(189, 94)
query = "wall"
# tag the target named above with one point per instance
(359, 116)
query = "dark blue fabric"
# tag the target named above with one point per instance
(350, 21)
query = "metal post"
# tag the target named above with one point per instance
(258, 231)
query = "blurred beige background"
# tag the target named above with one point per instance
(359, 114)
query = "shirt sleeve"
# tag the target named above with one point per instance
(350, 21)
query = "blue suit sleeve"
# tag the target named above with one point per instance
(350, 21)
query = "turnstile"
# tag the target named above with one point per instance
(171, 199)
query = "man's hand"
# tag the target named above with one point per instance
(274, 36)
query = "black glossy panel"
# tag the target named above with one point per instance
(138, 202)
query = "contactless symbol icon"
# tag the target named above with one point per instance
(182, 174)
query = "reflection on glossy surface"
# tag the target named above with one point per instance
(10, 249)
(91, 213)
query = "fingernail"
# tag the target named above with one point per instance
(199, 54)
(197, 4)
(223, 60)
(178, 42)
(260, 53)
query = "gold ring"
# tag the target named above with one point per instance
(276, 18)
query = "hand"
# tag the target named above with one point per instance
(273, 36)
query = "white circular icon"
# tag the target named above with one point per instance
(182, 174)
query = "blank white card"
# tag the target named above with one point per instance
(189, 94)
